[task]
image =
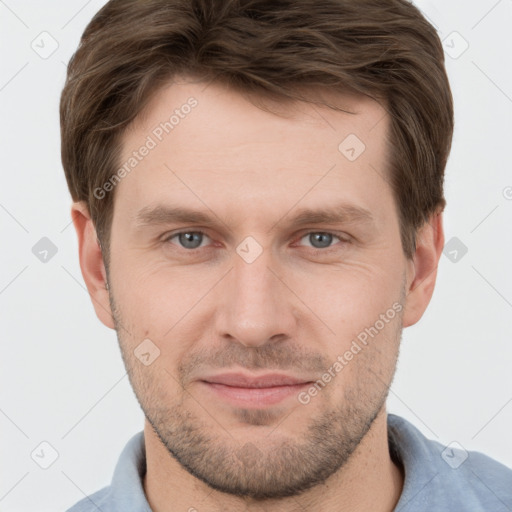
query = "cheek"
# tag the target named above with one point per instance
(154, 296)
(163, 306)
(351, 297)
(364, 361)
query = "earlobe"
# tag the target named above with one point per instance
(423, 269)
(91, 262)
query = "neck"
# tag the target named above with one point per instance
(369, 481)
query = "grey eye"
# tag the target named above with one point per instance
(190, 239)
(320, 240)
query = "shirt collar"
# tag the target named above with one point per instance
(126, 488)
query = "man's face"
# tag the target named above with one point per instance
(258, 292)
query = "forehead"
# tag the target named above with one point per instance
(223, 109)
(211, 145)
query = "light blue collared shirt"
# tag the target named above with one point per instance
(437, 478)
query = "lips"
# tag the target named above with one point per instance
(240, 380)
(253, 391)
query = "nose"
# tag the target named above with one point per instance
(254, 305)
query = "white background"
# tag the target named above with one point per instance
(62, 378)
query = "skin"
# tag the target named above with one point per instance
(294, 309)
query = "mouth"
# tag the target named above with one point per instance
(252, 391)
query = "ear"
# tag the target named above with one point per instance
(91, 262)
(422, 269)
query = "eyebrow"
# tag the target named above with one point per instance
(340, 214)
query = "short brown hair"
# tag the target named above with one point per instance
(381, 48)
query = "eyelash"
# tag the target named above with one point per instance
(343, 240)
